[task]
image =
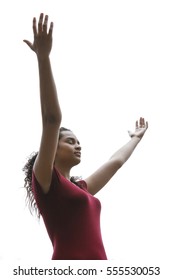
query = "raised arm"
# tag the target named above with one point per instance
(50, 109)
(99, 179)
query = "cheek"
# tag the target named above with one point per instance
(64, 149)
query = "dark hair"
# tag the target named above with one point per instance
(30, 200)
(27, 169)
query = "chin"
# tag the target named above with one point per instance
(77, 161)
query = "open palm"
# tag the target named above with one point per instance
(141, 127)
(42, 36)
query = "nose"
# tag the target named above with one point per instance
(78, 147)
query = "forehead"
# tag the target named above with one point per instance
(68, 134)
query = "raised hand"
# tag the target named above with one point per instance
(42, 44)
(141, 127)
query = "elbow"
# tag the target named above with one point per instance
(119, 163)
(116, 164)
(54, 119)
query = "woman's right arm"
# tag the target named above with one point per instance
(50, 109)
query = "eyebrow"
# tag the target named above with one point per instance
(73, 138)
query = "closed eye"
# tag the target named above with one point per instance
(72, 140)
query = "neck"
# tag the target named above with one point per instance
(64, 171)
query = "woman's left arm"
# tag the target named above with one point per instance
(99, 178)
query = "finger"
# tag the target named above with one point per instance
(141, 122)
(40, 23)
(34, 26)
(146, 125)
(137, 125)
(130, 133)
(45, 24)
(28, 43)
(51, 29)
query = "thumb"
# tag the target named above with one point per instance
(29, 44)
(130, 133)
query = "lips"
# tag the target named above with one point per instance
(78, 154)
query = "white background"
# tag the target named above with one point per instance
(112, 63)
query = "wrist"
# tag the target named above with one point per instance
(42, 58)
(136, 137)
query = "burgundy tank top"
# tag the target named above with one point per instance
(72, 219)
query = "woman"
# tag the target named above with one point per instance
(69, 209)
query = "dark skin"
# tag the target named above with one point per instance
(65, 153)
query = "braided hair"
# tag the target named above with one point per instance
(27, 169)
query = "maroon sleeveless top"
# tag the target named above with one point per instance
(72, 219)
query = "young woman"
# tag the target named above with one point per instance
(69, 209)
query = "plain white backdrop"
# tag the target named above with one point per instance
(112, 63)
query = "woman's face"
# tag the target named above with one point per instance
(69, 149)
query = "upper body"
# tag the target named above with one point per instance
(61, 151)
(72, 219)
